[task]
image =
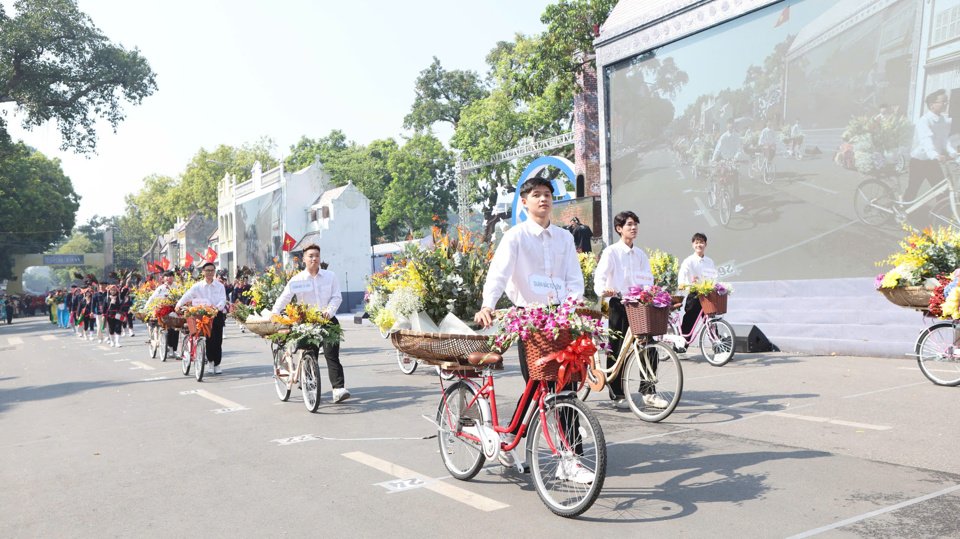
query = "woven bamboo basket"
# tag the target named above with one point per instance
(172, 321)
(647, 320)
(714, 303)
(590, 313)
(141, 316)
(263, 328)
(912, 297)
(441, 347)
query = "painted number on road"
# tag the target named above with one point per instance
(296, 439)
(228, 410)
(402, 485)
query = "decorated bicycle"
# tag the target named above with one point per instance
(925, 278)
(193, 346)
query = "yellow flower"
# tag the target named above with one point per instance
(951, 305)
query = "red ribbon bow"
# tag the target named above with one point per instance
(573, 359)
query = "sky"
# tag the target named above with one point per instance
(230, 72)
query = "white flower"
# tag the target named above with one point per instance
(403, 301)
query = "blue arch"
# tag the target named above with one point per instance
(565, 166)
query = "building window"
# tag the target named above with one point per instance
(325, 212)
(946, 25)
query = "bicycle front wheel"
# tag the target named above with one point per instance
(185, 353)
(200, 358)
(873, 202)
(712, 189)
(938, 353)
(769, 172)
(310, 381)
(568, 456)
(716, 342)
(280, 374)
(154, 340)
(653, 381)
(459, 418)
(725, 206)
(407, 364)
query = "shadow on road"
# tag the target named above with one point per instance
(21, 394)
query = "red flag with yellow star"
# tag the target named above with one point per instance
(784, 16)
(288, 242)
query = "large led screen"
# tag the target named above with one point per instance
(800, 138)
(258, 234)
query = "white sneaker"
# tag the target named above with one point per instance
(118, 343)
(655, 400)
(571, 470)
(99, 341)
(621, 404)
(509, 459)
(340, 394)
(132, 334)
(738, 208)
(217, 369)
(111, 344)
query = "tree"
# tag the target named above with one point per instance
(56, 65)
(79, 243)
(38, 205)
(422, 187)
(306, 150)
(442, 95)
(154, 204)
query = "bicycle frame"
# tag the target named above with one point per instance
(192, 341)
(294, 375)
(698, 325)
(629, 340)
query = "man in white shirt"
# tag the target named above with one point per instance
(931, 145)
(694, 267)
(209, 291)
(318, 288)
(173, 336)
(729, 148)
(536, 262)
(796, 137)
(768, 141)
(623, 265)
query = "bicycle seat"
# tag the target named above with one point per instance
(481, 359)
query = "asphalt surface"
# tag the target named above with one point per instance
(103, 442)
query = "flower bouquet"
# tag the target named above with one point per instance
(666, 269)
(588, 266)
(648, 310)
(239, 311)
(306, 325)
(140, 296)
(558, 341)
(713, 295)
(268, 286)
(926, 254)
(199, 318)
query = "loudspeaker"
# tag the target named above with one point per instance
(750, 339)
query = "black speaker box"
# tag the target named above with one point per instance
(750, 339)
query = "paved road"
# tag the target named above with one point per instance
(98, 442)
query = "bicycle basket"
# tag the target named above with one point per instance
(539, 345)
(714, 303)
(647, 320)
(200, 325)
(440, 346)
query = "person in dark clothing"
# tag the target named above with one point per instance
(581, 236)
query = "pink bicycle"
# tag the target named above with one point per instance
(715, 335)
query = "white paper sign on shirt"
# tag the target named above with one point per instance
(643, 278)
(709, 273)
(301, 287)
(546, 286)
(200, 301)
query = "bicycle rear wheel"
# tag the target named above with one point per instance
(567, 455)
(280, 374)
(943, 213)
(459, 435)
(310, 381)
(938, 353)
(185, 353)
(407, 364)
(716, 342)
(200, 358)
(653, 381)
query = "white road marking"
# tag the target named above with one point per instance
(878, 512)
(454, 493)
(14, 340)
(215, 398)
(798, 244)
(296, 439)
(951, 371)
(154, 379)
(143, 366)
(228, 410)
(816, 187)
(403, 485)
(705, 211)
(882, 390)
(789, 415)
(48, 337)
(119, 360)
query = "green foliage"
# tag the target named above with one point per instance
(442, 95)
(56, 65)
(422, 185)
(79, 243)
(196, 191)
(38, 205)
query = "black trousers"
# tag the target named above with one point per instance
(88, 323)
(920, 171)
(215, 340)
(618, 323)
(690, 314)
(331, 353)
(114, 325)
(173, 339)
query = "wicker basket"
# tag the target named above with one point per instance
(141, 316)
(590, 313)
(714, 303)
(193, 322)
(540, 345)
(263, 328)
(440, 346)
(913, 297)
(647, 320)
(172, 321)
